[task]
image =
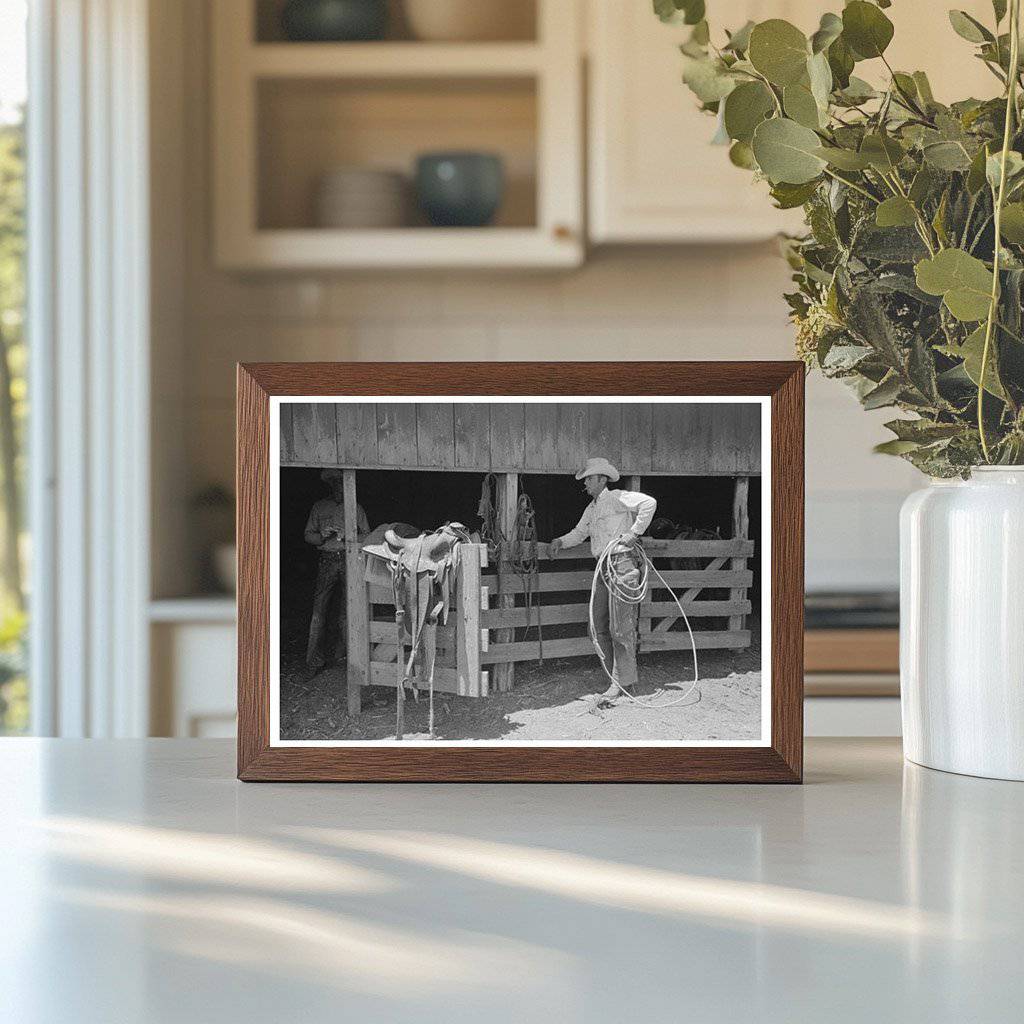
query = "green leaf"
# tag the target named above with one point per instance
(666, 10)
(939, 220)
(999, 9)
(963, 281)
(857, 91)
(819, 74)
(976, 173)
(741, 155)
(993, 166)
(841, 63)
(779, 51)
(922, 185)
(1011, 226)
(866, 29)
(924, 88)
(969, 28)
(895, 447)
(885, 394)
(971, 351)
(829, 30)
(739, 41)
(844, 159)
(895, 212)
(947, 156)
(707, 78)
(701, 34)
(786, 151)
(801, 106)
(690, 12)
(905, 84)
(788, 196)
(882, 151)
(923, 431)
(745, 108)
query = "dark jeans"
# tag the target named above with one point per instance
(330, 583)
(616, 623)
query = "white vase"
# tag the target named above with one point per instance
(962, 624)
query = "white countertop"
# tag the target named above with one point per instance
(140, 882)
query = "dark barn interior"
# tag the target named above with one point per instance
(428, 499)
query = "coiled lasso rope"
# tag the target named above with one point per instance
(634, 592)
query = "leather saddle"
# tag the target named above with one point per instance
(422, 572)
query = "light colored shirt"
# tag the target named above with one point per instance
(327, 514)
(610, 515)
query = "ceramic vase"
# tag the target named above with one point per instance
(962, 624)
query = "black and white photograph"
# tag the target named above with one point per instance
(478, 571)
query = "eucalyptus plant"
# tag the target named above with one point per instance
(910, 277)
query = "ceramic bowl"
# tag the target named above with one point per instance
(470, 20)
(460, 189)
(359, 197)
(332, 21)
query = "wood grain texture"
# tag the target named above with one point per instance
(541, 437)
(435, 435)
(396, 434)
(472, 436)
(508, 437)
(355, 599)
(637, 442)
(357, 433)
(604, 432)
(779, 762)
(252, 524)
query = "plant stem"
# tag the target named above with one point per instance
(853, 185)
(1011, 108)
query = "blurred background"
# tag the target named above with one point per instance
(360, 179)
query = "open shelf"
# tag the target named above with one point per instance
(286, 114)
(387, 60)
(520, 23)
(309, 127)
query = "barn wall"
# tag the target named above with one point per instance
(719, 439)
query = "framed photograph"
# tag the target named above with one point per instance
(578, 572)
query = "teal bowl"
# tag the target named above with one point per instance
(460, 189)
(334, 21)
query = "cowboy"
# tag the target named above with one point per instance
(612, 516)
(325, 530)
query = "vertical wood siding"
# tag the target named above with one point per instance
(712, 439)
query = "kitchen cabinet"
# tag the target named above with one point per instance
(654, 177)
(288, 114)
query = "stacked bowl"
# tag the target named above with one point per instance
(362, 197)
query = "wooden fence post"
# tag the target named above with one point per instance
(508, 499)
(740, 531)
(355, 598)
(467, 620)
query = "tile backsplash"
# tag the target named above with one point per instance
(718, 302)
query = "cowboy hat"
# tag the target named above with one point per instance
(331, 474)
(598, 467)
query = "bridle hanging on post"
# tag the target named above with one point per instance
(518, 553)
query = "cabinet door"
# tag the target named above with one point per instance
(654, 177)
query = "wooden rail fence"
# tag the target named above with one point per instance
(480, 634)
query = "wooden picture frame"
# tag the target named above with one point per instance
(778, 759)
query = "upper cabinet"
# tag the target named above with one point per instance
(316, 144)
(654, 176)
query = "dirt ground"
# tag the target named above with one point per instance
(553, 701)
